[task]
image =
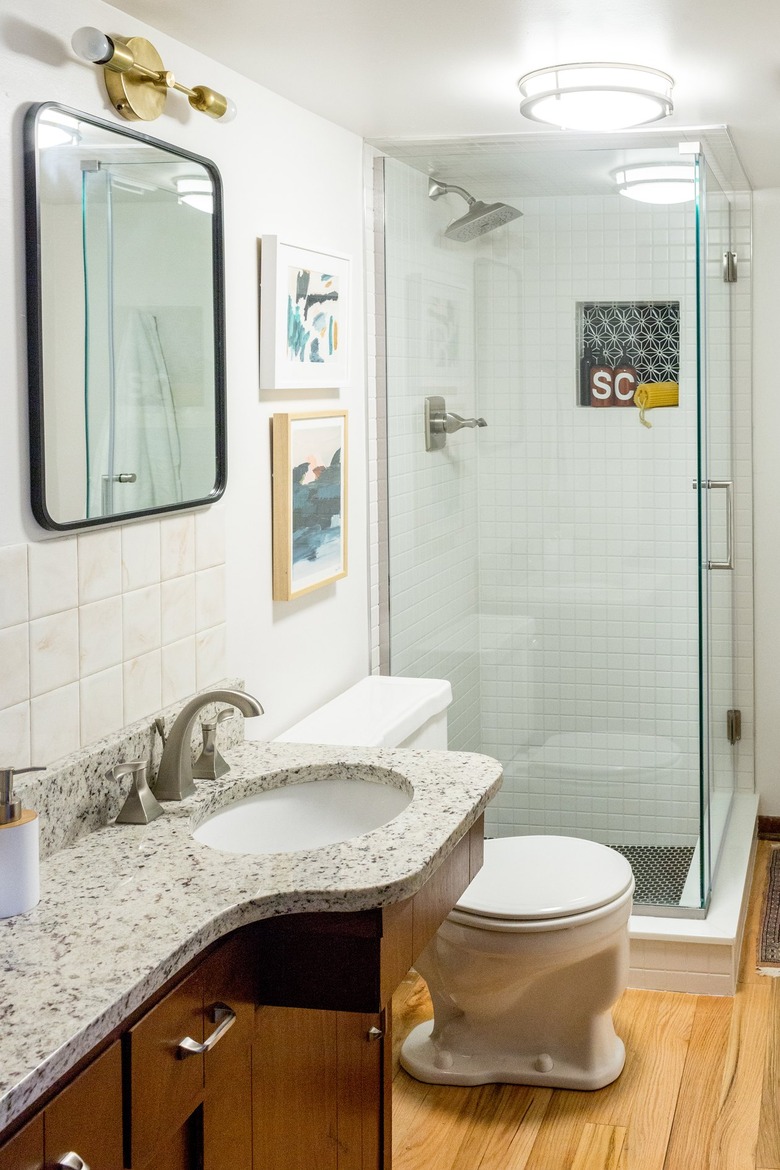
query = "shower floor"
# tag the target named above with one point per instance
(660, 871)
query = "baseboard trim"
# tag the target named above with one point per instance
(769, 828)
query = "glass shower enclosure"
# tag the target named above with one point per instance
(568, 566)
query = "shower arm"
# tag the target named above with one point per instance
(437, 189)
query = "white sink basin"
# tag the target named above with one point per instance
(302, 816)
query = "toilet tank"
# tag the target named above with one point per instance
(380, 711)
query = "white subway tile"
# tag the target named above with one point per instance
(210, 537)
(55, 724)
(15, 735)
(140, 555)
(178, 608)
(142, 686)
(177, 546)
(14, 603)
(210, 597)
(211, 656)
(100, 635)
(141, 622)
(179, 670)
(54, 652)
(15, 657)
(101, 704)
(99, 565)
(53, 569)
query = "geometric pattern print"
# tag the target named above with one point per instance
(646, 332)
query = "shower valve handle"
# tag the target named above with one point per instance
(440, 422)
(453, 422)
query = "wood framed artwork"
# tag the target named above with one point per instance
(309, 501)
(304, 326)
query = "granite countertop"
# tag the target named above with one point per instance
(126, 907)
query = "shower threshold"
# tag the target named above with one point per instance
(701, 954)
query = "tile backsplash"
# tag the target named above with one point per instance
(103, 628)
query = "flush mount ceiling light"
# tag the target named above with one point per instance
(138, 82)
(671, 182)
(57, 129)
(196, 192)
(596, 95)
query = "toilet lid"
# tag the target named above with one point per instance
(545, 877)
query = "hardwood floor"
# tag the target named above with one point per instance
(700, 1089)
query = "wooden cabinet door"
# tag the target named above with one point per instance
(319, 1090)
(86, 1117)
(164, 1087)
(361, 1043)
(228, 979)
(25, 1151)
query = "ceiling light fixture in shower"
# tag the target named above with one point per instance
(670, 182)
(596, 95)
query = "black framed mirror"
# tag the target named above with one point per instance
(126, 332)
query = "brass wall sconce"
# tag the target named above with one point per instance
(138, 82)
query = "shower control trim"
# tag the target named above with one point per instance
(440, 422)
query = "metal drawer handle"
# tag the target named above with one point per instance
(220, 1014)
(71, 1161)
(374, 1034)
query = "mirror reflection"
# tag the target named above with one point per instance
(125, 300)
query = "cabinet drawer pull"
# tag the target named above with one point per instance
(71, 1161)
(220, 1014)
(374, 1034)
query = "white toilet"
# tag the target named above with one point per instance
(524, 971)
(526, 967)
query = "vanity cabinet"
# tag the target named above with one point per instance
(188, 1064)
(271, 1053)
(319, 1089)
(84, 1119)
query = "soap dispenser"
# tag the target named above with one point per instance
(20, 888)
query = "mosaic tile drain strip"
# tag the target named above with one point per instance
(769, 939)
(660, 871)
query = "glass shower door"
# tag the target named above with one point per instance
(715, 480)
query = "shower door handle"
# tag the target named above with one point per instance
(440, 422)
(726, 485)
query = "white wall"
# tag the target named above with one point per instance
(285, 172)
(766, 483)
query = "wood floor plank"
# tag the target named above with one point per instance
(735, 1133)
(655, 1028)
(521, 1114)
(599, 1148)
(768, 1155)
(447, 1116)
(691, 1137)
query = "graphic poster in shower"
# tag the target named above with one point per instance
(304, 323)
(309, 501)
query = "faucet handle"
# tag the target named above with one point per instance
(210, 764)
(141, 805)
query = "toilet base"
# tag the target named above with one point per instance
(423, 1060)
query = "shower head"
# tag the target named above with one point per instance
(480, 217)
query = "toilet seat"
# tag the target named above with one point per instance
(538, 883)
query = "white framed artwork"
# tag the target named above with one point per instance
(304, 326)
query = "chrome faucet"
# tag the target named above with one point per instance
(174, 777)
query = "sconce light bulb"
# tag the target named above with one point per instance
(230, 112)
(92, 45)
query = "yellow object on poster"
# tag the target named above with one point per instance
(651, 394)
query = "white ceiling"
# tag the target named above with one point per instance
(434, 68)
